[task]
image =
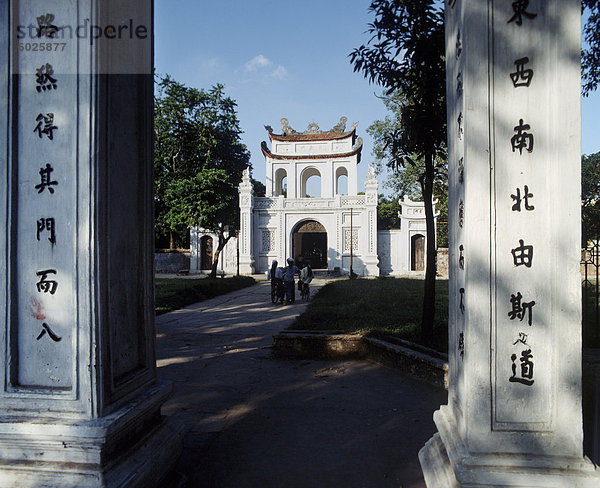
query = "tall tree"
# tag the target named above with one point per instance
(590, 56)
(406, 180)
(406, 54)
(590, 197)
(198, 161)
(388, 213)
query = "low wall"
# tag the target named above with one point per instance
(172, 261)
(442, 261)
(418, 361)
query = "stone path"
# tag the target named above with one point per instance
(255, 421)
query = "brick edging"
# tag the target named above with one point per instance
(304, 344)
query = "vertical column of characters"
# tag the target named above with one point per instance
(46, 197)
(523, 400)
(456, 157)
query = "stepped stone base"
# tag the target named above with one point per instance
(132, 447)
(446, 463)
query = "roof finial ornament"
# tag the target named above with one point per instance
(371, 173)
(313, 128)
(340, 127)
(269, 129)
(286, 130)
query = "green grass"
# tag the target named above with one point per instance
(174, 293)
(392, 307)
(379, 308)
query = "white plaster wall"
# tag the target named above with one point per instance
(227, 259)
(392, 261)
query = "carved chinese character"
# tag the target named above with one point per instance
(48, 225)
(461, 169)
(525, 199)
(522, 76)
(46, 329)
(526, 377)
(519, 309)
(45, 26)
(458, 45)
(461, 213)
(461, 345)
(459, 84)
(522, 255)
(44, 285)
(522, 339)
(44, 78)
(462, 296)
(520, 10)
(46, 182)
(522, 139)
(45, 125)
(461, 259)
(461, 131)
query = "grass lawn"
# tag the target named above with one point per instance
(174, 293)
(377, 307)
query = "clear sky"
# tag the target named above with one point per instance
(285, 59)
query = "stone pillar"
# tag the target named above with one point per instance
(370, 255)
(246, 224)
(195, 249)
(514, 406)
(79, 401)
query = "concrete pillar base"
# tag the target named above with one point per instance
(133, 447)
(447, 463)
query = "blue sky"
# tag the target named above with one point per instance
(285, 59)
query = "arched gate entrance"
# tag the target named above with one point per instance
(309, 244)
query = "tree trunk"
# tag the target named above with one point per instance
(171, 240)
(222, 242)
(429, 290)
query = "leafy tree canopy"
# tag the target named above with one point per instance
(387, 213)
(590, 197)
(198, 158)
(406, 56)
(590, 57)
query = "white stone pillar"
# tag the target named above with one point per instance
(195, 249)
(79, 401)
(246, 224)
(370, 255)
(514, 409)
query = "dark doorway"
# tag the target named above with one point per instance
(206, 252)
(309, 244)
(417, 253)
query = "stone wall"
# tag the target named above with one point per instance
(172, 262)
(442, 261)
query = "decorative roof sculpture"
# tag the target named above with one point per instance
(312, 130)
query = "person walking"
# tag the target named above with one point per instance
(275, 275)
(288, 279)
(306, 276)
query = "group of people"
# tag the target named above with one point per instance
(283, 279)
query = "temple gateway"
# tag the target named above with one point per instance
(314, 213)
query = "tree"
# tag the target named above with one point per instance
(260, 190)
(405, 180)
(406, 55)
(198, 161)
(590, 57)
(590, 197)
(388, 210)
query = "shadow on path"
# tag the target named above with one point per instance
(256, 421)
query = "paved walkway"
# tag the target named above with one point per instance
(255, 421)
